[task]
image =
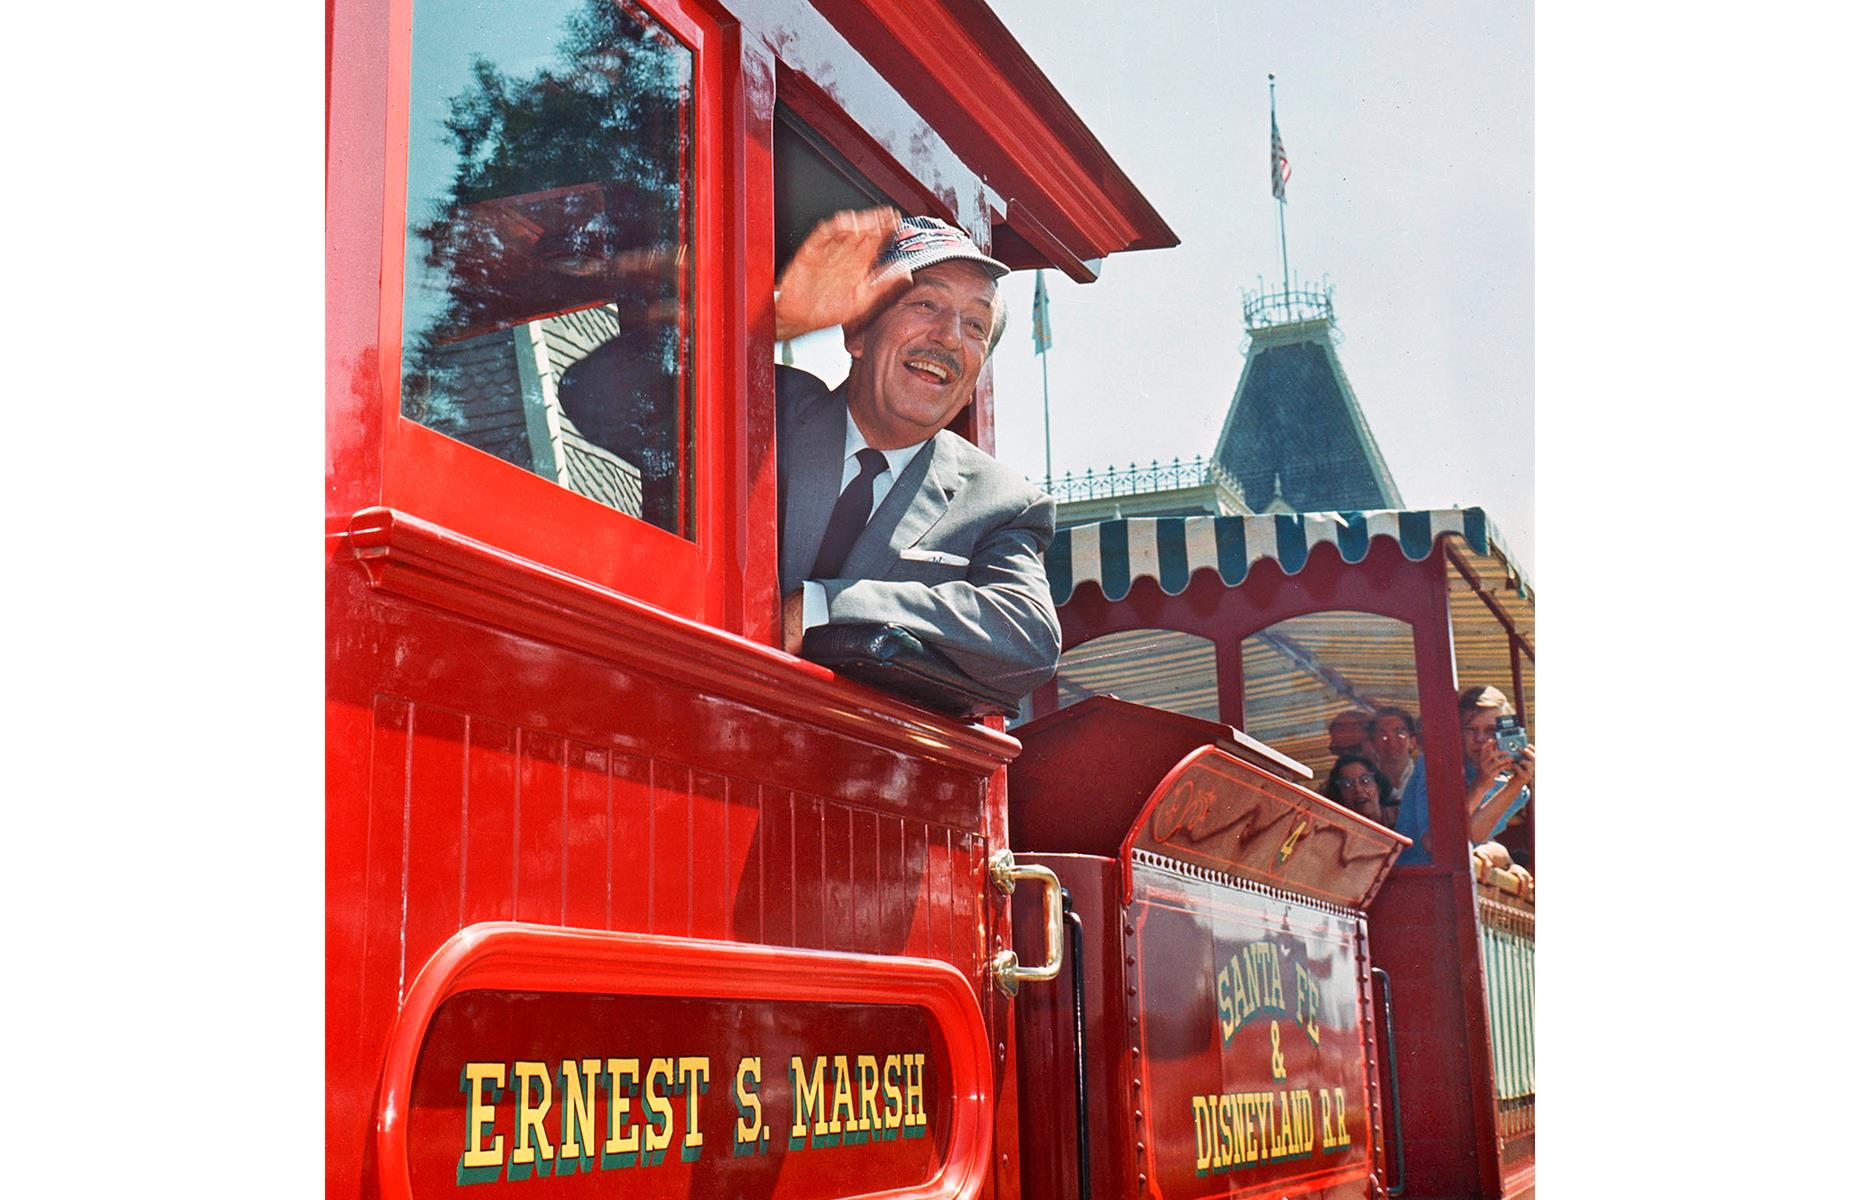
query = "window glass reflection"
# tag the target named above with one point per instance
(549, 251)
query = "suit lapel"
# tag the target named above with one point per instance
(817, 459)
(913, 506)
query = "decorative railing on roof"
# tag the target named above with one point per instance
(1263, 308)
(1114, 554)
(1135, 480)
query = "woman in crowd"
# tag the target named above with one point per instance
(1357, 784)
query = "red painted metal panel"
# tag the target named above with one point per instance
(1216, 813)
(713, 872)
(588, 898)
(629, 851)
(488, 811)
(1252, 1035)
(784, 998)
(436, 775)
(541, 884)
(668, 850)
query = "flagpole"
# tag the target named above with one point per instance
(1285, 271)
(1042, 340)
(1046, 408)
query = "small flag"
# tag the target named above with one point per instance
(1281, 165)
(1042, 322)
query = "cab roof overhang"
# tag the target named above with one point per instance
(1067, 204)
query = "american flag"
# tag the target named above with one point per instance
(1281, 165)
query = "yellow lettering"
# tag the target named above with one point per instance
(1204, 1136)
(532, 1140)
(694, 1078)
(748, 1102)
(481, 1114)
(1343, 1130)
(659, 1076)
(914, 1114)
(578, 1109)
(894, 1094)
(618, 1105)
(809, 1099)
(842, 1098)
(868, 1093)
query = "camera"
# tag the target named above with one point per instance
(1510, 736)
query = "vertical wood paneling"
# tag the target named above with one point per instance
(778, 882)
(482, 821)
(435, 863)
(745, 899)
(669, 897)
(386, 903)
(937, 870)
(971, 949)
(810, 883)
(541, 804)
(867, 893)
(585, 838)
(915, 866)
(711, 866)
(628, 840)
(836, 857)
(489, 818)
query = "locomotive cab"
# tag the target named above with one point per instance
(619, 895)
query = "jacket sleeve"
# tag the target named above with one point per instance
(997, 623)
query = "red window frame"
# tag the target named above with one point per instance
(426, 473)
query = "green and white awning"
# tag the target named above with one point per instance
(1115, 554)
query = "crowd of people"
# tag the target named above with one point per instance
(1380, 774)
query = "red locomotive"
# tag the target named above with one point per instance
(622, 899)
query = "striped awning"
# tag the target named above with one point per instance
(1114, 554)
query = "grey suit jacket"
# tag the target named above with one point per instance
(952, 554)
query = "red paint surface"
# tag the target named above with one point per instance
(1187, 930)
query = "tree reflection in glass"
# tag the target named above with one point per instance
(549, 295)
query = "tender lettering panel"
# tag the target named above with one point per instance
(534, 1094)
(1252, 1071)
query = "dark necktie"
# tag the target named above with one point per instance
(849, 516)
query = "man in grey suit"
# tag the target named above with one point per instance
(886, 517)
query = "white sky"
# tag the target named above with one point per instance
(1409, 129)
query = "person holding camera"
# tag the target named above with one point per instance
(1499, 765)
(1499, 759)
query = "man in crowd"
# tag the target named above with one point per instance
(1391, 739)
(886, 517)
(1349, 733)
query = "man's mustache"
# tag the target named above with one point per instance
(941, 358)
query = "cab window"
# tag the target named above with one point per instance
(549, 300)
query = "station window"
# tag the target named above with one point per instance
(549, 301)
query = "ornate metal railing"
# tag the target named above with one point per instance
(1263, 308)
(1135, 479)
